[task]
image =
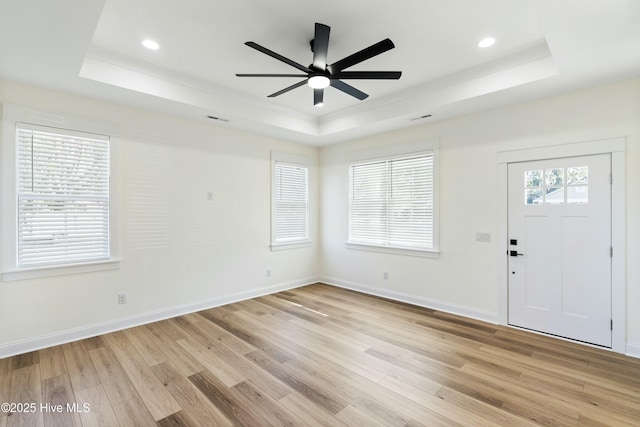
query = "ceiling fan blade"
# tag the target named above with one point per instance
(271, 75)
(318, 97)
(363, 55)
(277, 56)
(287, 89)
(348, 89)
(321, 46)
(385, 75)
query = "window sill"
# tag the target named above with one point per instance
(394, 250)
(50, 271)
(293, 245)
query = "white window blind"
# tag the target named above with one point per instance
(63, 196)
(391, 202)
(291, 203)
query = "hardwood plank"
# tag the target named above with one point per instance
(179, 419)
(245, 333)
(529, 403)
(410, 392)
(146, 345)
(6, 366)
(264, 406)
(52, 362)
(259, 377)
(411, 380)
(200, 410)
(171, 350)
(26, 360)
(133, 413)
(293, 309)
(354, 417)
(99, 411)
(57, 392)
(221, 396)
(307, 344)
(359, 397)
(318, 395)
(81, 370)
(221, 335)
(445, 376)
(114, 379)
(26, 388)
(490, 413)
(93, 343)
(314, 415)
(376, 400)
(157, 400)
(170, 328)
(220, 368)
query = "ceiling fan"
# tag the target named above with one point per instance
(319, 75)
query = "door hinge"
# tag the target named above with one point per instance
(611, 251)
(612, 324)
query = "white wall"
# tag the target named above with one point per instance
(179, 251)
(465, 277)
(198, 253)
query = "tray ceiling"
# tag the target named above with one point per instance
(94, 48)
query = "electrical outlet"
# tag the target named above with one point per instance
(122, 298)
(268, 273)
(210, 196)
(483, 237)
(385, 275)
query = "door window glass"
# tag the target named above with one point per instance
(556, 186)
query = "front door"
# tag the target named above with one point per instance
(560, 247)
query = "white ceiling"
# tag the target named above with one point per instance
(93, 48)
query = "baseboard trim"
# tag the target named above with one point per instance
(633, 349)
(415, 300)
(57, 338)
(62, 337)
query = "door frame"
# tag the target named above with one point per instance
(616, 148)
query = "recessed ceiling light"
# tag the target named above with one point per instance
(151, 44)
(486, 42)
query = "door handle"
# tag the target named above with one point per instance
(515, 253)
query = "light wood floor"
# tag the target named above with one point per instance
(322, 356)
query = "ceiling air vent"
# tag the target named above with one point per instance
(217, 118)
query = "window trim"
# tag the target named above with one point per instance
(12, 116)
(292, 159)
(393, 152)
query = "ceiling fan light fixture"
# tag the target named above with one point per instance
(319, 82)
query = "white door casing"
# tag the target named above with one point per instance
(560, 229)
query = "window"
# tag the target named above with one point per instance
(290, 210)
(62, 197)
(391, 202)
(557, 187)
